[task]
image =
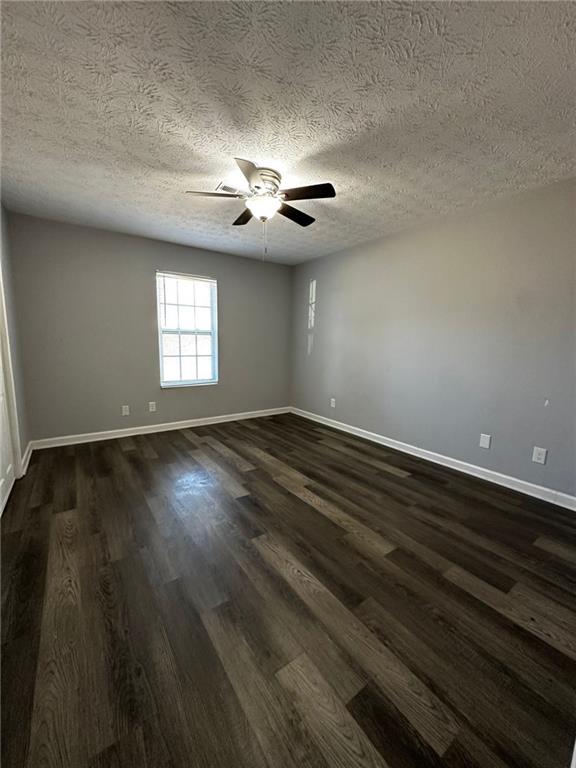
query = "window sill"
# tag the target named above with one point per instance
(176, 384)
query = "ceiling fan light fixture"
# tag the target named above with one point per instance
(265, 198)
(263, 207)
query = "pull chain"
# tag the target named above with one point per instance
(264, 239)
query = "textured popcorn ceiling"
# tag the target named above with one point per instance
(412, 110)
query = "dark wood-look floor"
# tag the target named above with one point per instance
(272, 593)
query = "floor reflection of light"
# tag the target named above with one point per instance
(189, 480)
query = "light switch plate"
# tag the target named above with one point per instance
(539, 455)
(485, 440)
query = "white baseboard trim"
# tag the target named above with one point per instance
(5, 492)
(112, 434)
(25, 460)
(522, 486)
(565, 500)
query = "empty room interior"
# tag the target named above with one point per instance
(288, 384)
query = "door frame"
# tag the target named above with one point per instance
(9, 376)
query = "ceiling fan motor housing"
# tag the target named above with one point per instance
(264, 180)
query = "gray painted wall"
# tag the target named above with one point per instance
(428, 337)
(435, 336)
(15, 347)
(99, 350)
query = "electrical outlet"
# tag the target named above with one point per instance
(332, 402)
(151, 406)
(485, 441)
(125, 410)
(539, 455)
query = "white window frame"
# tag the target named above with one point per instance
(179, 331)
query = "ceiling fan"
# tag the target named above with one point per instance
(265, 198)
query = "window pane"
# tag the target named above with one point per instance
(168, 316)
(185, 291)
(204, 345)
(189, 369)
(188, 344)
(160, 286)
(170, 344)
(186, 318)
(203, 292)
(204, 368)
(171, 369)
(170, 284)
(203, 319)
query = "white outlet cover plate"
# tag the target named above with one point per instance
(485, 440)
(539, 455)
(332, 402)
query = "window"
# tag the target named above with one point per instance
(187, 330)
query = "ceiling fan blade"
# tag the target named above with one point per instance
(213, 194)
(232, 190)
(244, 218)
(312, 192)
(295, 215)
(249, 170)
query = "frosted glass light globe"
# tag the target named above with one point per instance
(263, 207)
